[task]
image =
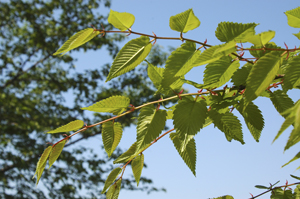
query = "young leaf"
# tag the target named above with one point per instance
(227, 123)
(281, 101)
(292, 74)
(240, 75)
(111, 136)
(111, 178)
(42, 163)
(189, 116)
(297, 35)
(188, 154)
(121, 20)
(261, 75)
(77, 40)
(293, 17)
(253, 118)
(184, 21)
(219, 72)
(114, 104)
(114, 190)
(155, 74)
(127, 155)
(262, 38)
(292, 160)
(179, 63)
(72, 126)
(229, 31)
(131, 55)
(150, 124)
(137, 165)
(56, 151)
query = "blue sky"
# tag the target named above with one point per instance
(222, 167)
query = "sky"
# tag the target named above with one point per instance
(222, 168)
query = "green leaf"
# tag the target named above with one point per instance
(240, 76)
(72, 126)
(219, 72)
(189, 115)
(111, 178)
(262, 38)
(261, 75)
(292, 74)
(111, 136)
(184, 21)
(114, 104)
(114, 190)
(42, 163)
(121, 20)
(131, 55)
(56, 151)
(77, 40)
(224, 197)
(227, 123)
(288, 122)
(261, 53)
(137, 165)
(155, 74)
(281, 194)
(179, 63)
(295, 134)
(261, 187)
(253, 118)
(208, 56)
(150, 124)
(292, 160)
(293, 17)
(297, 35)
(127, 155)
(229, 31)
(188, 154)
(281, 101)
(296, 177)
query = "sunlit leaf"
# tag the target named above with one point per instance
(114, 190)
(121, 20)
(262, 38)
(137, 165)
(114, 104)
(288, 122)
(151, 122)
(42, 163)
(297, 35)
(281, 101)
(260, 52)
(295, 134)
(77, 40)
(188, 154)
(184, 21)
(292, 74)
(292, 160)
(111, 178)
(293, 17)
(261, 75)
(111, 136)
(56, 151)
(130, 56)
(281, 194)
(240, 76)
(127, 155)
(224, 197)
(208, 56)
(72, 126)
(189, 115)
(155, 74)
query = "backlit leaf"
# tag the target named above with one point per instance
(77, 40)
(262, 74)
(228, 124)
(288, 122)
(295, 134)
(130, 56)
(111, 136)
(281, 194)
(292, 74)
(114, 190)
(208, 56)
(188, 154)
(228, 31)
(240, 76)
(189, 115)
(42, 163)
(111, 178)
(72, 126)
(253, 118)
(224, 197)
(281, 101)
(127, 155)
(114, 104)
(56, 151)
(137, 165)
(297, 35)
(219, 72)
(184, 21)
(292, 160)
(150, 124)
(155, 74)
(121, 20)
(293, 17)
(262, 38)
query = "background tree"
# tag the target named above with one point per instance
(33, 90)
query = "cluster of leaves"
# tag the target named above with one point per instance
(213, 104)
